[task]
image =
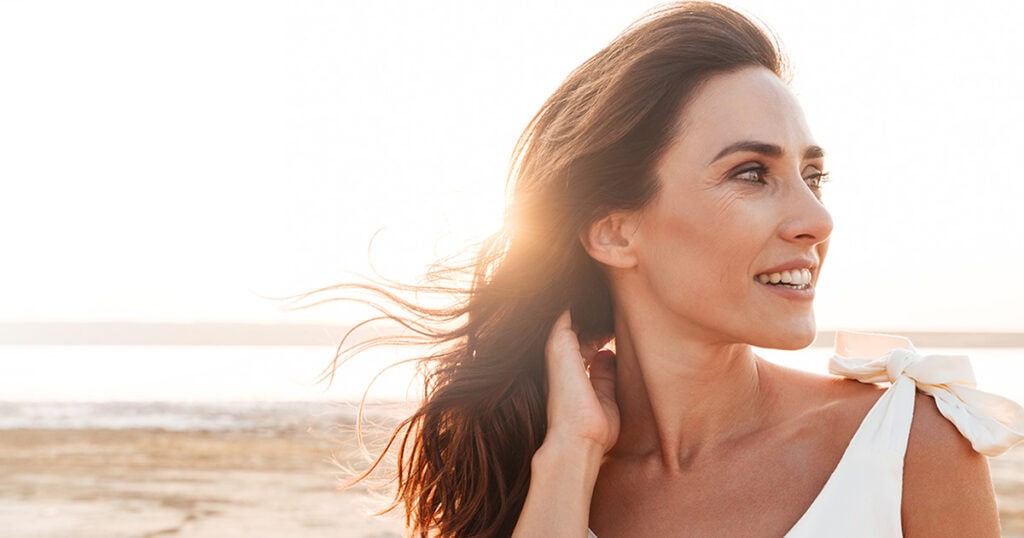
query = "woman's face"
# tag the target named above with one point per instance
(739, 206)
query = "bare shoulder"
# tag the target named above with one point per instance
(820, 413)
(824, 396)
(947, 488)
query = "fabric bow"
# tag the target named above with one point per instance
(990, 422)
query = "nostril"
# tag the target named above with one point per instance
(806, 236)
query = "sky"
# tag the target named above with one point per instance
(183, 161)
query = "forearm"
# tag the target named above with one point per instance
(561, 485)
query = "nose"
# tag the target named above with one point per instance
(806, 219)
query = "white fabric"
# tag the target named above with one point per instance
(863, 496)
(992, 423)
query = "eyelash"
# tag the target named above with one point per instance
(815, 181)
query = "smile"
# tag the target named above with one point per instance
(799, 279)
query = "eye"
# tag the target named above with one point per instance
(816, 179)
(752, 174)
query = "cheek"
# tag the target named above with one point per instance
(702, 252)
(822, 249)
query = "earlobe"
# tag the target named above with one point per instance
(610, 240)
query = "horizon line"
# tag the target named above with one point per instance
(90, 333)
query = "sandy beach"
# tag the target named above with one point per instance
(155, 483)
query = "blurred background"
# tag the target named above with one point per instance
(166, 169)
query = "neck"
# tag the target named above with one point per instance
(681, 395)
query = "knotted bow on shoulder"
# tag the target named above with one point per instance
(991, 423)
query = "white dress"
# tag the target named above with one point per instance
(863, 496)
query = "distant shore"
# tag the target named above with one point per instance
(283, 334)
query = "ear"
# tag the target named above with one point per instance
(612, 239)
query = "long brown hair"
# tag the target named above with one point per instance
(463, 457)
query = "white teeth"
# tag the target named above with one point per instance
(793, 277)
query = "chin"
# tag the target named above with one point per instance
(796, 336)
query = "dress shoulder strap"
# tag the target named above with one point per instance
(862, 496)
(990, 422)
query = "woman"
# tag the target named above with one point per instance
(667, 200)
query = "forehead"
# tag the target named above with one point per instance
(749, 104)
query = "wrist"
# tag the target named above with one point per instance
(563, 475)
(563, 455)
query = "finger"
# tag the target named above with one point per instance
(561, 331)
(562, 352)
(602, 374)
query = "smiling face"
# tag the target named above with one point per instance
(739, 207)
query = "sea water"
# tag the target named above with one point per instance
(232, 387)
(217, 388)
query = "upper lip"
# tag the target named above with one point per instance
(798, 263)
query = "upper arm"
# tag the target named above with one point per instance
(947, 489)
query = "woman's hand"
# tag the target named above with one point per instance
(583, 423)
(581, 408)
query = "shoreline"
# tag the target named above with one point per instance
(212, 333)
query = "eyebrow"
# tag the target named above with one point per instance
(764, 148)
